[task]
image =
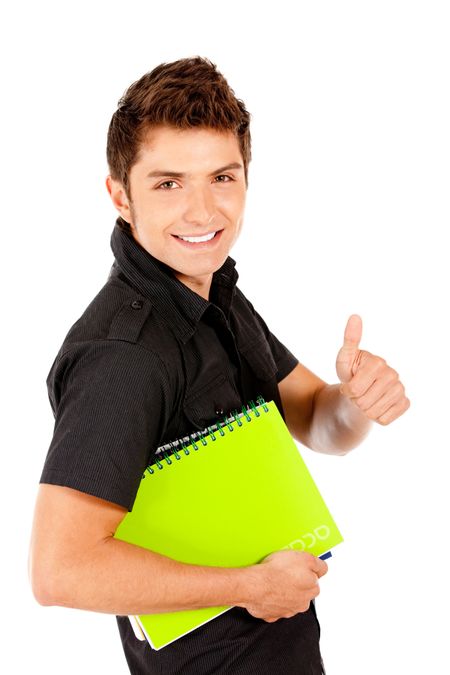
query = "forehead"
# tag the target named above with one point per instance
(199, 145)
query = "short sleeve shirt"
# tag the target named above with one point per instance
(150, 361)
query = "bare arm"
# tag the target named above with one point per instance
(75, 562)
(318, 415)
(337, 425)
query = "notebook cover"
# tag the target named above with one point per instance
(228, 504)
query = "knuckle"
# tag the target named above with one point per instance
(299, 553)
(405, 405)
(398, 387)
(379, 362)
(362, 402)
(393, 375)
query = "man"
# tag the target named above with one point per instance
(169, 344)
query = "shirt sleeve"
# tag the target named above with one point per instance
(110, 400)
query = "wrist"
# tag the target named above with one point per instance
(250, 585)
(337, 425)
(350, 416)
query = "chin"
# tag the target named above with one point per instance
(197, 270)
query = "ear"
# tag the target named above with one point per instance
(119, 198)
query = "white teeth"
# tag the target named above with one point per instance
(195, 240)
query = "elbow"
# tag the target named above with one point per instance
(42, 587)
(49, 590)
(44, 581)
(42, 596)
(326, 447)
(342, 453)
(337, 443)
(329, 450)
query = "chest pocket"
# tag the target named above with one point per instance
(211, 401)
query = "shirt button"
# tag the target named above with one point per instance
(137, 304)
(219, 410)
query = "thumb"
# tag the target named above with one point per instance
(350, 349)
(353, 333)
(321, 567)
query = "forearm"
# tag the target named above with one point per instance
(337, 425)
(120, 578)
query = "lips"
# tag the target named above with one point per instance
(198, 239)
(204, 234)
(200, 244)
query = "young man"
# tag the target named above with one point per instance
(167, 345)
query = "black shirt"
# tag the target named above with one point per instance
(150, 361)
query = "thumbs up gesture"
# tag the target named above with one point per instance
(367, 380)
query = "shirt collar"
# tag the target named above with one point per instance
(156, 281)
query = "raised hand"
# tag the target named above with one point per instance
(372, 385)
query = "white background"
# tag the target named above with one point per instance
(347, 210)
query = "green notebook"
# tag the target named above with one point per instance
(226, 497)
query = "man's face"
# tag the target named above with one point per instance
(207, 198)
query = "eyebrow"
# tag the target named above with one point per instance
(157, 173)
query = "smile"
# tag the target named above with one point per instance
(204, 237)
(201, 241)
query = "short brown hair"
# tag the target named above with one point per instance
(186, 93)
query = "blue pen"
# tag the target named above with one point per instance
(325, 556)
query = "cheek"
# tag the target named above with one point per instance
(156, 216)
(233, 206)
(166, 210)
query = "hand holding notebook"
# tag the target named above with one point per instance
(290, 583)
(226, 498)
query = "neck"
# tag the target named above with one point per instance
(200, 285)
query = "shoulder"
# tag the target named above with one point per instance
(101, 319)
(119, 329)
(120, 314)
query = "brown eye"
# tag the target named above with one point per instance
(166, 183)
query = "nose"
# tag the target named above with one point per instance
(200, 207)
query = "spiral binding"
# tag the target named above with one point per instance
(209, 431)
